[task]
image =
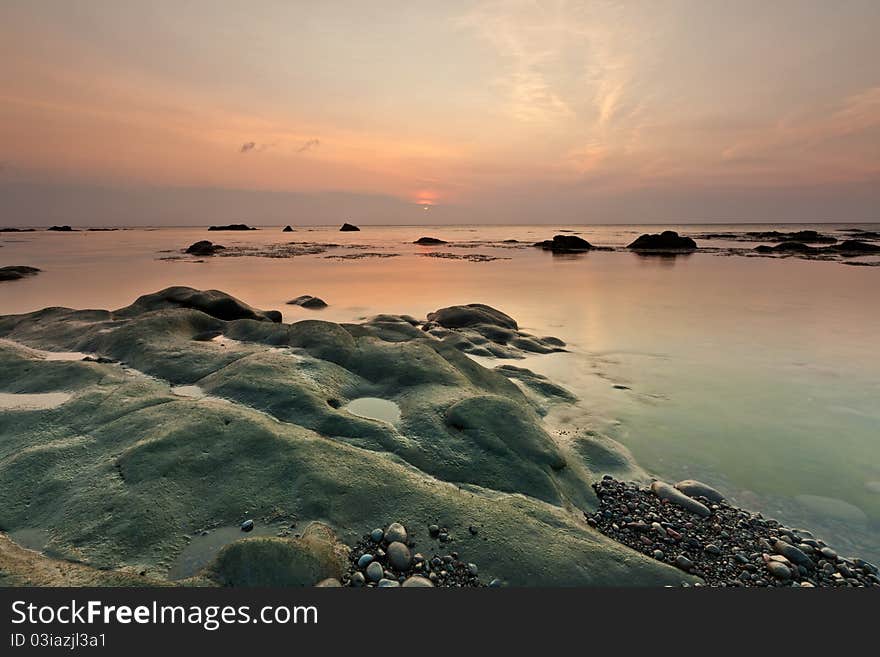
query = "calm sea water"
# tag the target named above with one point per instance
(760, 376)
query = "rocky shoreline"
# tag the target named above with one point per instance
(692, 527)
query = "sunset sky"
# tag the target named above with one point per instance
(193, 112)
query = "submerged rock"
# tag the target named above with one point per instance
(565, 244)
(430, 240)
(470, 315)
(668, 240)
(810, 236)
(16, 272)
(204, 248)
(61, 229)
(787, 247)
(346, 227)
(848, 247)
(308, 301)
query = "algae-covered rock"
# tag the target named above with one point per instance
(125, 471)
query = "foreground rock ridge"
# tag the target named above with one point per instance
(192, 412)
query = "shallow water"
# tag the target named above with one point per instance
(759, 375)
(374, 408)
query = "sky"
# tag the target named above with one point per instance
(194, 112)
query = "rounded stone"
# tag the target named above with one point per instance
(374, 571)
(377, 535)
(357, 579)
(364, 561)
(779, 570)
(828, 553)
(395, 532)
(417, 581)
(399, 556)
(472, 569)
(433, 530)
(694, 488)
(683, 562)
(329, 583)
(247, 525)
(388, 583)
(495, 583)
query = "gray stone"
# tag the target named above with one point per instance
(793, 554)
(399, 556)
(495, 583)
(417, 581)
(666, 492)
(472, 569)
(375, 571)
(779, 570)
(683, 562)
(247, 525)
(694, 488)
(377, 535)
(433, 530)
(388, 584)
(358, 579)
(329, 583)
(364, 561)
(828, 553)
(395, 532)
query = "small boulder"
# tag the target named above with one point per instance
(247, 525)
(287, 229)
(15, 272)
(430, 240)
(203, 248)
(565, 244)
(308, 301)
(232, 227)
(388, 584)
(346, 228)
(375, 571)
(668, 240)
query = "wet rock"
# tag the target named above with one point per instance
(395, 533)
(787, 247)
(61, 229)
(358, 579)
(388, 584)
(565, 244)
(287, 229)
(810, 236)
(793, 554)
(470, 315)
(204, 248)
(430, 240)
(377, 535)
(16, 272)
(308, 301)
(855, 247)
(399, 556)
(779, 570)
(247, 525)
(683, 562)
(694, 488)
(211, 302)
(666, 492)
(668, 240)
(347, 228)
(364, 560)
(433, 531)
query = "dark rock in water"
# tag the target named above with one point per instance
(15, 272)
(247, 525)
(810, 236)
(787, 247)
(565, 244)
(862, 234)
(232, 227)
(61, 229)
(668, 240)
(348, 227)
(430, 240)
(211, 302)
(287, 229)
(693, 488)
(204, 248)
(470, 315)
(17, 230)
(308, 301)
(666, 492)
(855, 247)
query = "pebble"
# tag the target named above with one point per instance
(329, 583)
(828, 553)
(666, 492)
(793, 554)
(375, 571)
(388, 583)
(472, 569)
(364, 561)
(779, 570)
(694, 488)
(495, 583)
(377, 535)
(399, 556)
(358, 579)
(247, 525)
(433, 530)
(395, 532)
(683, 562)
